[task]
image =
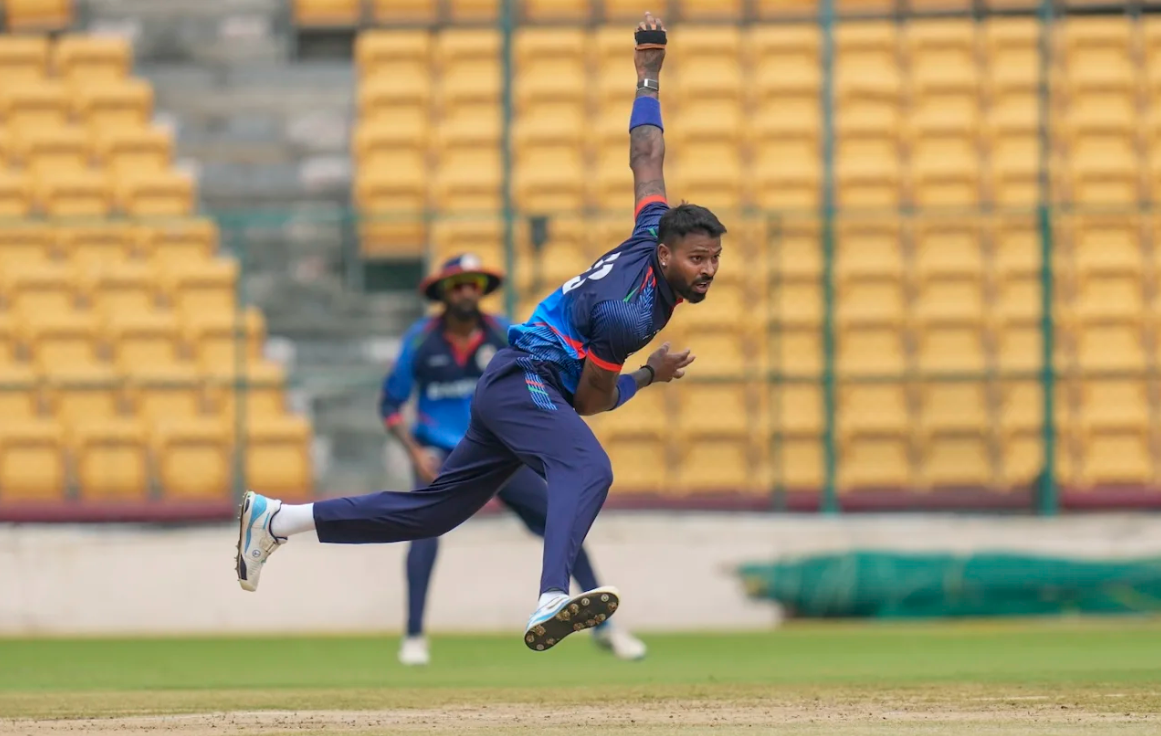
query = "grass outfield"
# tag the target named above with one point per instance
(982, 678)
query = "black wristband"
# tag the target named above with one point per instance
(652, 373)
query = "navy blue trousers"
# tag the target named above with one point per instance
(519, 418)
(527, 496)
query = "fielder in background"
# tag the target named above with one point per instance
(443, 357)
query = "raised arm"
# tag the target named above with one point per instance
(646, 140)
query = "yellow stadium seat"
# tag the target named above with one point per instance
(1102, 180)
(216, 336)
(38, 288)
(794, 350)
(701, 126)
(559, 82)
(261, 383)
(38, 15)
(278, 459)
(795, 462)
(160, 392)
(32, 461)
(326, 13)
(720, 410)
(956, 439)
(62, 338)
(1107, 243)
(1110, 344)
(455, 46)
(26, 243)
(381, 52)
(797, 408)
(15, 191)
(143, 340)
(1022, 405)
(798, 302)
(559, 263)
(47, 149)
(87, 58)
(171, 242)
(871, 299)
(556, 10)
(715, 466)
(382, 93)
(122, 288)
(713, 71)
(877, 406)
(949, 298)
(640, 465)
(872, 458)
(942, 57)
(391, 197)
(1016, 246)
(724, 308)
(74, 194)
(867, 183)
(409, 11)
(469, 83)
(7, 155)
(646, 418)
(464, 235)
(550, 125)
(1112, 295)
(111, 459)
(612, 184)
(1115, 442)
(866, 61)
(123, 102)
(950, 345)
(193, 459)
(468, 11)
(468, 181)
(718, 187)
(19, 392)
(719, 354)
(208, 286)
(948, 246)
(403, 128)
(631, 9)
(23, 57)
(945, 159)
(548, 182)
(156, 193)
(870, 347)
(9, 339)
(123, 150)
(534, 46)
(91, 246)
(469, 128)
(711, 9)
(786, 75)
(82, 393)
(31, 103)
(1019, 344)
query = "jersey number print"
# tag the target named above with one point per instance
(599, 270)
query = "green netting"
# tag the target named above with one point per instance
(867, 584)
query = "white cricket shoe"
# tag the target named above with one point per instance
(413, 652)
(563, 615)
(621, 643)
(255, 541)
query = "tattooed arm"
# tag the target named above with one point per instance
(646, 142)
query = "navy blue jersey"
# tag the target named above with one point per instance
(607, 313)
(443, 376)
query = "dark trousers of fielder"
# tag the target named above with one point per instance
(527, 497)
(518, 420)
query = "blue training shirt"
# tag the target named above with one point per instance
(607, 313)
(443, 377)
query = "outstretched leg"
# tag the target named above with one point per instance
(474, 472)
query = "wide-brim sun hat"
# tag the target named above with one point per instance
(465, 264)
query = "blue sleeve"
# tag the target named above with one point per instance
(618, 330)
(648, 215)
(399, 382)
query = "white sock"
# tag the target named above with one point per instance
(548, 597)
(292, 519)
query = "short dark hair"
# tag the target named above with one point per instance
(685, 219)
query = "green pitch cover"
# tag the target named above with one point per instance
(891, 585)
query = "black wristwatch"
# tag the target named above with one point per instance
(652, 373)
(648, 84)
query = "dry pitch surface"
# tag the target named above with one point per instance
(1005, 679)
